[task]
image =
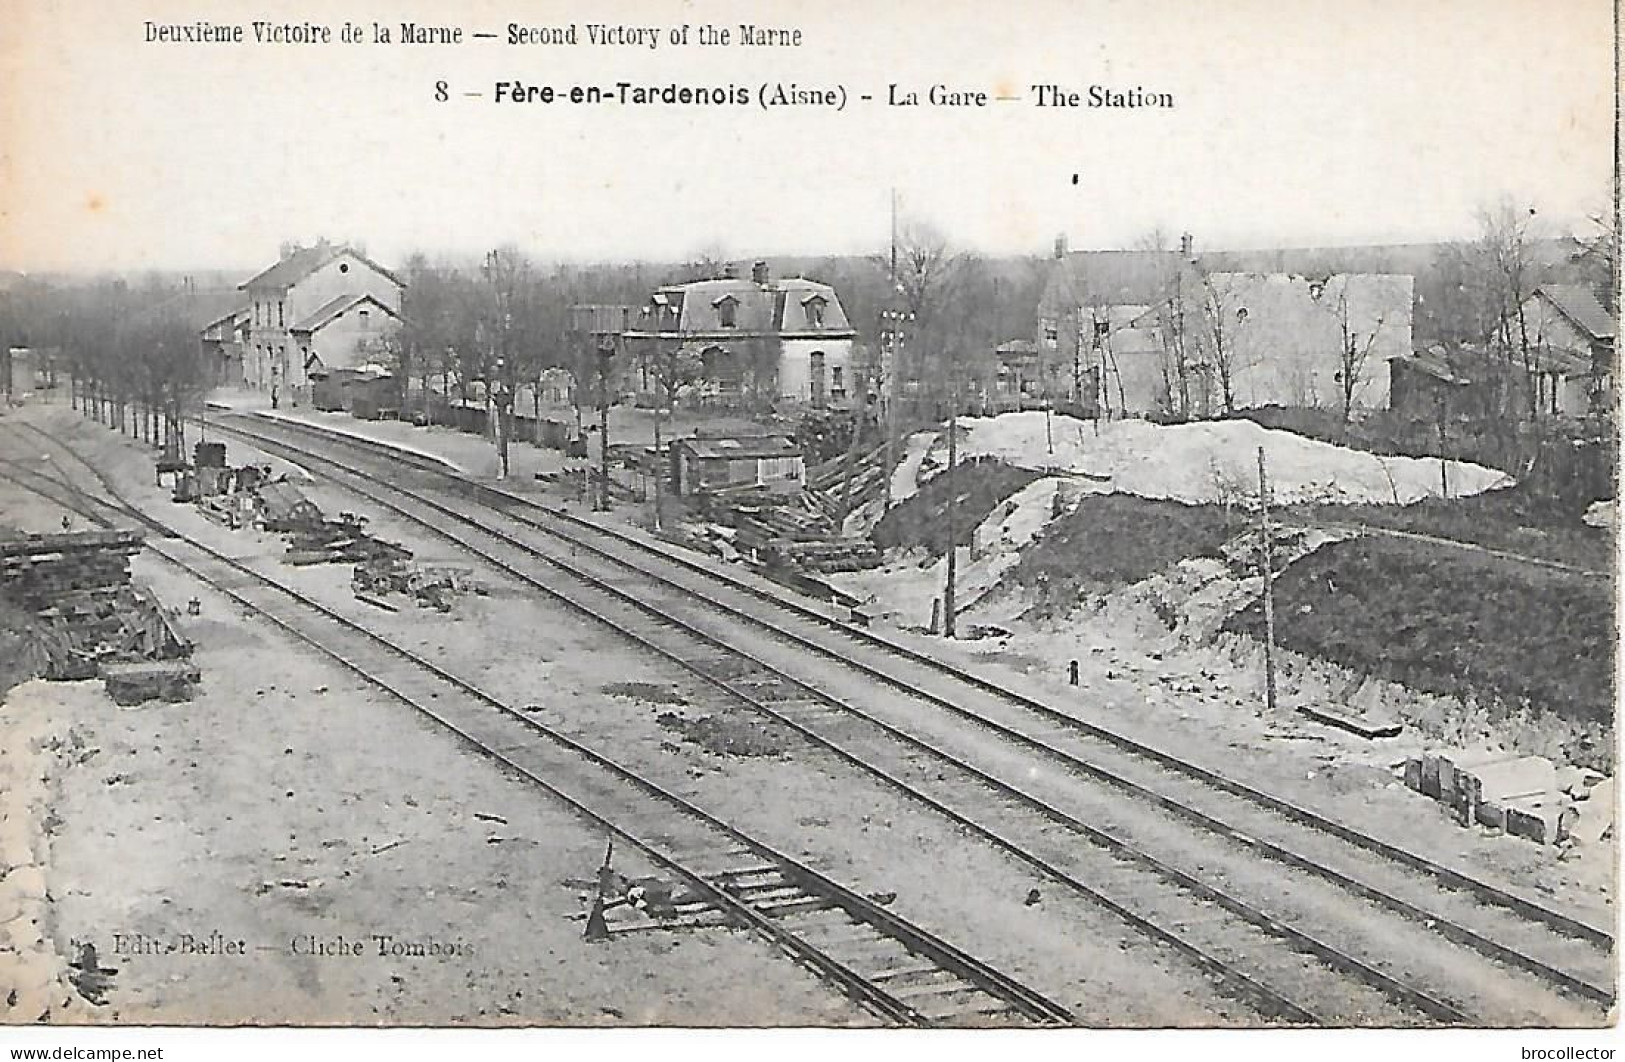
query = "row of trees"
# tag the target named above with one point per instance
(130, 353)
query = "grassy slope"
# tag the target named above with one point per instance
(1504, 519)
(1440, 620)
(1112, 540)
(982, 484)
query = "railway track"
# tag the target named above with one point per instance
(1370, 982)
(889, 965)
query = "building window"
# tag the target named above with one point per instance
(726, 312)
(815, 312)
(344, 267)
(279, 318)
(364, 318)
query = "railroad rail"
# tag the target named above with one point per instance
(1390, 987)
(549, 520)
(889, 965)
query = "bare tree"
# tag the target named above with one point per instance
(708, 263)
(506, 304)
(1599, 255)
(1220, 319)
(672, 366)
(1354, 349)
(925, 271)
(1505, 232)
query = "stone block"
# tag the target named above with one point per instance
(1456, 764)
(1413, 774)
(1492, 814)
(1430, 774)
(1535, 818)
(1595, 814)
(1504, 780)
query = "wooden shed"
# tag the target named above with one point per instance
(707, 464)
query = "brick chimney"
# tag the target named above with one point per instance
(1060, 246)
(1186, 243)
(758, 274)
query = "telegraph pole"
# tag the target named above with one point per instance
(1269, 582)
(953, 495)
(891, 339)
(606, 350)
(889, 334)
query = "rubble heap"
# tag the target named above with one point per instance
(375, 580)
(250, 495)
(1525, 796)
(317, 540)
(90, 619)
(799, 528)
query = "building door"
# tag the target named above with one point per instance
(816, 389)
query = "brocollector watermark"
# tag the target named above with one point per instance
(1567, 1054)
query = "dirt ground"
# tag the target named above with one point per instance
(338, 793)
(288, 809)
(1191, 698)
(270, 811)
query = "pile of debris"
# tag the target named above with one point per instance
(378, 579)
(798, 528)
(316, 540)
(90, 619)
(866, 482)
(1524, 796)
(250, 496)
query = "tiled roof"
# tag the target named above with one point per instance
(1580, 306)
(307, 260)
(337, 307)
(1434, 362)
(780, 305)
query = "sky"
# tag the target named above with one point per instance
(1358, 121)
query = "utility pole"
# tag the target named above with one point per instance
(497, 389)
(606, 350)
(888, 354)
(953, 494)
(1269, 582)
(665, 372)
(891, 333)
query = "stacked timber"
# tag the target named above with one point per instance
(36, 569)
(797, 528)
(340, 541)
(87, 615)
(136, 682)
(867, 481)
